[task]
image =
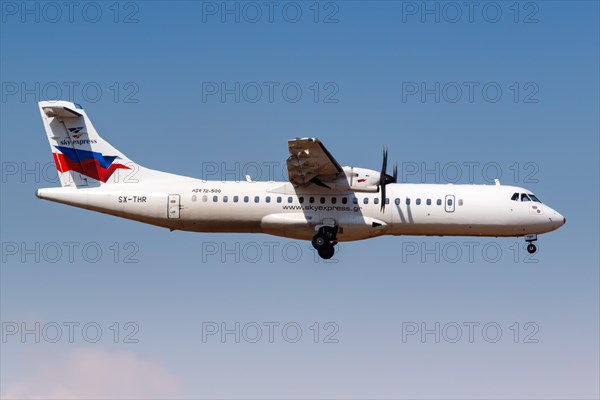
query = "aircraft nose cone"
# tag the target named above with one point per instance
(558, 220)
(561, 219)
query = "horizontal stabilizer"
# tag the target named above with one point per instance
(60, 112)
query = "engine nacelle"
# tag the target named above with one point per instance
(362, 179)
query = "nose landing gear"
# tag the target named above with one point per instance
(531, 248)
(324, 241)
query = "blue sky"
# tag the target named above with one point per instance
(515, 92)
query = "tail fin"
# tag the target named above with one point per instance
(82, 157)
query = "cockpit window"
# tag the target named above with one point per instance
(515, 197)
(534, 198)
(524, 197)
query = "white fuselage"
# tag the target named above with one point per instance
(278, 208)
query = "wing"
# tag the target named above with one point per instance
(310, 162)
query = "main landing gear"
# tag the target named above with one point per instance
(324, 241)
(531, 248)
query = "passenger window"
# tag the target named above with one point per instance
(418, 201)
(268, 199)
(224, 199)
(460, 202)
(515, 197)
(322, 200)
(205, 198)
(333, 200)
(449, 202)
(428, 202)
(387, 200)
(408, 201)
(256, 199)
(355, 200)
(301, 199)
(524, 197)
(439, 202)
(279, 199)
(215, 199)
(290, 199)
(236, 199)
(246, 199)
(344, 200)
(311, 200)
(366, 200)
(397, 201)
(376, 200)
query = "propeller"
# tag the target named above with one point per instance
(384, 178)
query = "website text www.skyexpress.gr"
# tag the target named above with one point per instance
(321, 208)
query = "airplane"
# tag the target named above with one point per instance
(323, 202)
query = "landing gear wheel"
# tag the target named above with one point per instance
(324, 241)
(328, 232)
(531, 248)
(318, 242)
(326, 252)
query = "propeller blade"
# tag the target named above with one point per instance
(382, 197)
(384, 178)
(395, 176)
(385, 155)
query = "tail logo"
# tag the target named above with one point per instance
(86, 162)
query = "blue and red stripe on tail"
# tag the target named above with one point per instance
(86, 162)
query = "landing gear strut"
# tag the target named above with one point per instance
(531, 248)
(324, 241)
